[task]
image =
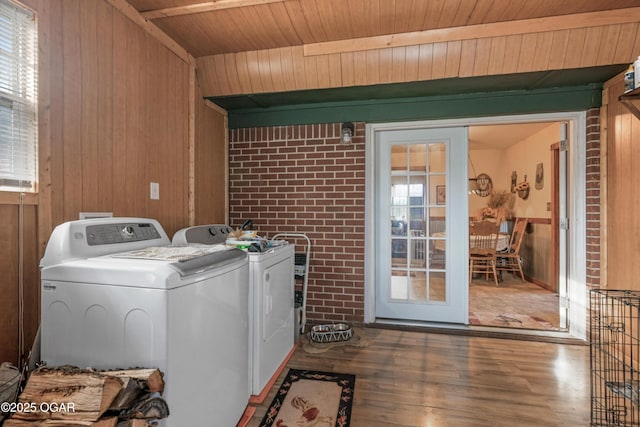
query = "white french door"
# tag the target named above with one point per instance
(421, 211)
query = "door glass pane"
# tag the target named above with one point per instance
(418, 212)
(438, 234)
(418, 158)
(437, 288)
(437, 158)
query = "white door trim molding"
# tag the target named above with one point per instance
(576, 200)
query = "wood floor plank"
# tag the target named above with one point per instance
(409, 378)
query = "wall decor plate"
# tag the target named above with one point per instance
(484, 185)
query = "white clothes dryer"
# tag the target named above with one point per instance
(271, 300)
(115, 295)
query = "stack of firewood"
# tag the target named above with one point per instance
(68, 396)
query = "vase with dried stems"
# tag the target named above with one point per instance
(499, 207)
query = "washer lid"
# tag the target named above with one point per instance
(187, 259)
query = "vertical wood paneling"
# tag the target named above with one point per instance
(482, 53)
(322, 68)
(219, 63)
(527, 52)
(9, 318)
(512, 54)
(264, 65)
(254, 71)
(119, 124)
(558, 49)
(496, 56)
(508, 54)
(211, 152)
(9, 301)
(398, 55)
(114, 109)
(336, 78)
(609, 41)
(623, 154)
(72, 110)
(373, 72)
(278, 70)
(121, 100)
(311, 71)
(155, 87)
(439, 60)
(592, 46)
(575, 47)
(452, 65)
(467, 58)
(52, 207)
(412, 63)
(626, 40)
(360, 68)
(105, 107)
(384, 65)
(89, 102)
(242, 69)
(542, 52)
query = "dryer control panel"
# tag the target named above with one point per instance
(205, 234)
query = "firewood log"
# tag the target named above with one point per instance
(153, 377)
(133, 423)
(108, 422)
(150, 408)
(89, 394)
(132, 390)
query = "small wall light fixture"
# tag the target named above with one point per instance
(348, 131)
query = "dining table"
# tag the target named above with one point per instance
(501, 246)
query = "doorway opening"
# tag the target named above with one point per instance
(519, 170)
(568, 290)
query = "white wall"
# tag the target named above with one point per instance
(522, 157)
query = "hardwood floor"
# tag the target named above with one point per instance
(407, 378)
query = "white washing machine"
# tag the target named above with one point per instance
(271, 300)
(114, 295)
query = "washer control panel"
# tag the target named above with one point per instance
(107, 234)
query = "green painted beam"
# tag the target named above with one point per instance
(546, 100)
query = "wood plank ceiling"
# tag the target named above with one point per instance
(262, 46)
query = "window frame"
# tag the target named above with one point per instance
(18, 98)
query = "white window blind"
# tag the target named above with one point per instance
(18, 98)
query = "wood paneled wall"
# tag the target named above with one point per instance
(119, 117)
(285, 69)
(9, 284)
(621, 131)
(211, 165)
(116, 113)
(535, 251)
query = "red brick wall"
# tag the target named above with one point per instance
(593, 197)
(301, 179)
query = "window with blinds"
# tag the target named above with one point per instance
(18, 98)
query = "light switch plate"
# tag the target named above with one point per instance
(155, 191)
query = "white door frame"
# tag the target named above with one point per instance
(576, 169)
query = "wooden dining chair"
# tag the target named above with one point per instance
(511, 260)
(483, 239)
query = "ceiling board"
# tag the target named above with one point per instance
(298, 22)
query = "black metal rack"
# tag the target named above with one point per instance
(615, 354)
